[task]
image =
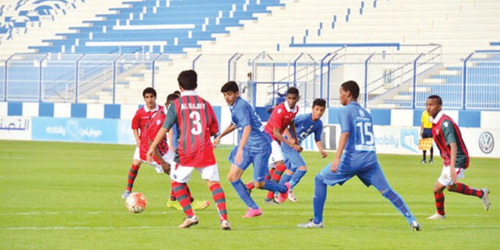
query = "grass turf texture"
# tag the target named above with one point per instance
(67, 196)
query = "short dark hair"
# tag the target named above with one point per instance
(229, 86)
(293, 91)
(438, 98)
(148, 90)
(171, 98)
(177, 92)
(319, 102)
(352, 87)
(188, 79)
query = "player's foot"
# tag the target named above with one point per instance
(423, 162)
(174, 204)
(437, 216)
(199, 205)
(311, 224)
(431, 161)
(225, 225)
(189, 222)
(486, 198)
(253, 212)
(271, 201)
(291, 196)
(415, 226)
(126, 194)
(283, 196)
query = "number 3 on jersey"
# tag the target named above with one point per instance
(365, 140)
(196, 125)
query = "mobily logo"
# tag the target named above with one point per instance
(409, 139)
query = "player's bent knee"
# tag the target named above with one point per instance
(259, 185)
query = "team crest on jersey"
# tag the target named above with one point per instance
(158, 122)
(445, 124)
(437, 131)
(279, 111)
(361, 113)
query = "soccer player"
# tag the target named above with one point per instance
(254, 147)
(426, 132)
(196, 122)
(305, 125)
(355, 157)
(139, 121)
(455, 156)
(156, 122)
(281, 119)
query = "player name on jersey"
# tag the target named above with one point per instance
(192, 106)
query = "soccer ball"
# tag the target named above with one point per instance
(136, 202)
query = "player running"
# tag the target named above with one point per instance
(254, 147)
(305, 125)
(449, 140)
(355, 157)
(196, 122)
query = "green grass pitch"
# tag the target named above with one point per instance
(67, 196)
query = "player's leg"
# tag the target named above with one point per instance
(179, 177)
(132, 173)
(278, 159)
(442, 183)
(431, 157)
(424, 153)
(374, 176)
(260, 162)
(296, 169)
(211, 175)
(483, 193)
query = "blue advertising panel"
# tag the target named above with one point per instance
(74, 129)
(125, 134)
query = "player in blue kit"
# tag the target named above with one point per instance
(254, 147)
(305, 125)
(355, 157)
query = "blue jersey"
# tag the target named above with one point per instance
(242, 115)
(359, 150)
(304, 126)
(175, 143)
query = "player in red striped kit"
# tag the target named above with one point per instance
(449, 140)
(196, 122)
(281, 118)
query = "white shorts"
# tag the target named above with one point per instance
(445, 178)
(276, 154)
(182, 174)
(168, 157)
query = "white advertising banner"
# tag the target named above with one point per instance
(404, 140)
(15, 128)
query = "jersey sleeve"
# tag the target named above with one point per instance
(136, 121)
(241, 116)
(213, 126)
(171, 118)
(318, 131)
(449, 132)
(345, 121)
(276, 117)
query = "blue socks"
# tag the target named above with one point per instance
(242, 192)
(297, 176)
(400, 204)
(319, 198)
(274, 187)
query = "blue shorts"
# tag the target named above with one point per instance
(427, 133)
(259, 157)
(293, 160)
(369, 175)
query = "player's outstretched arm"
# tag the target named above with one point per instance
(453, 160)
(159, 136)
(294, 132)
(226, 131)
(137, 138)
(344, 136)
(163, 163)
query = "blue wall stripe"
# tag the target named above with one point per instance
(79, 110)
(417, 116)
(381, 116)
(469, 118)
(112, 111)
(15, 109)
(218, 115)
(46, 109)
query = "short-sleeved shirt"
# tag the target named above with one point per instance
(153, 126)
(446, 131)
(304, 126)
(359, 150)
(426, 120)
(281, 117)
(196, 122)
(142, 116)
(242, 115)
